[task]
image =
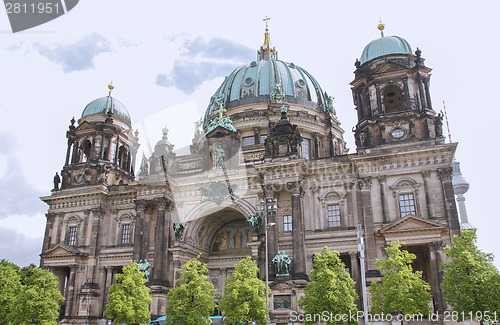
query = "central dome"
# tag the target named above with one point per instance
(267, 79)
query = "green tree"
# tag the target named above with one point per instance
(471, 283)
(40, 298)
(129, 298)
(10, 288)
(332, 289)
(191, 301)
(244, 295)
(401, 289)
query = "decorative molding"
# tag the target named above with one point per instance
(445, 174)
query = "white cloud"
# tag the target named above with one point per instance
(77, 56)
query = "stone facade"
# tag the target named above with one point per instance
(278, 152)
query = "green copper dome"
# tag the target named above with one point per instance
(103, 105)
(264, 80)
(385, 46)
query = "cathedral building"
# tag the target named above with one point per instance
(271, 147)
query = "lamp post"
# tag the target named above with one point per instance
(271, 208)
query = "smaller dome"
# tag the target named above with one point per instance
(106, 104)
(385, 46)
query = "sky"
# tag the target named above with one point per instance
(167, 58)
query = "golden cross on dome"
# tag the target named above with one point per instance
(221, 112)
(266, 19)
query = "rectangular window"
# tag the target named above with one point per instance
(407, 204)
(263, 138)
(72, 236)
(126, 234)
(333, 215)
(306, 148)
(287, 223)
(248, 141)
(282, 302)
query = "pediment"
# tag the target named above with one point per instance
(222, 131)
(62, 250)
(390, 66)
(84, 126)
(412, 223)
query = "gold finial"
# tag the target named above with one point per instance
(267, 41)
(381, 28)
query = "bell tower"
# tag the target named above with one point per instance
(102, 147)
(391, 94)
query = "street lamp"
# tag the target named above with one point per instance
(266, 210)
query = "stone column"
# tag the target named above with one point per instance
(436, 277)
(365, 210)
(427, 92)
(109, 278)
(379, 101)
(445, 174)
(74, 155)
(423, 102)
(101, 152)
(82, 235)
(59, 221)
(298, 234)
(428, 197)
(102, 292)
(406, 94)
(68, 152)
(95, 245)
(70, 291)
(356, 276)
(117, 148)
(383, 196)
(272, 232)
(108, 154)
(350, 210)
(140, 207)
(48, 227)
(315, 213)
(160, 241)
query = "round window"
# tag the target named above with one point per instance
(398, 133)
(248, 81)
(301, 83)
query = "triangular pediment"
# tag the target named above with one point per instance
(61, 250)
(84, 126)
(221, 130)
(412, 223)
(390, 66)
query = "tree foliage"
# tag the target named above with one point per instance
(28, 295)
(332, 289)
(471, 283)
(401, 289)
(10, 287)
(129, 298)
(40, 296)
(244, 296)
(191, 301)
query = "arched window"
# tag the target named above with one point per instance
(122, 157)
(393, 100)
(85, 150)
